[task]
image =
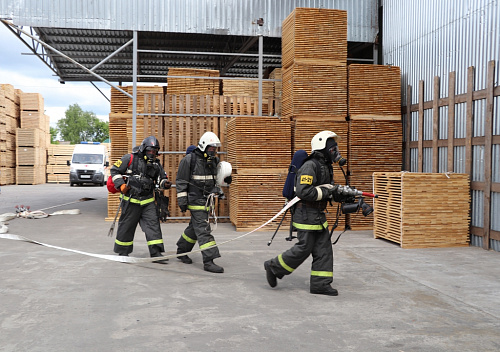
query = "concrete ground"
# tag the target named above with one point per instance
(390, 299)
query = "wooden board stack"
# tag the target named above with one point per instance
(314, 60)
(422, 210)
(9, 122)
(32, 140)
(57, 157)
(250, 88)
(375, 128)
(259, 152)
(193, 86)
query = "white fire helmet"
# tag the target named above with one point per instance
(208, 138)
(318, 142)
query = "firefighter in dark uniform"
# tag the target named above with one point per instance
(314, 187)
(136, 179)
(195, 181)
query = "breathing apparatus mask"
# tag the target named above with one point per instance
(332, 152)
(150, 154)
(210, 153)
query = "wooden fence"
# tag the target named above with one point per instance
(487, 140)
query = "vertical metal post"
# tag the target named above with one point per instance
(134, 90)
(261, 56)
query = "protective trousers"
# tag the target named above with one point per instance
(198, 230)
(317, 243)
(146, 216)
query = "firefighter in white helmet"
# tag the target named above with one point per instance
(196, 180)
(314, 186)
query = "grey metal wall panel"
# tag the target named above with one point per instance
(232, 17)
(459, 160)
(445, 36)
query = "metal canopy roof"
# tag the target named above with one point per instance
(89, 47)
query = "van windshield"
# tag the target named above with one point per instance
(87, 158)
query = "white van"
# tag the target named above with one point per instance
(88, 164)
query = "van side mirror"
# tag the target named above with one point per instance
(107, 163)
(68, 162)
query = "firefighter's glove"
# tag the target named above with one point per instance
(165, 184)
(228, 179)
(337, 196)
(325, 191)
(183, 208)
(124, 188)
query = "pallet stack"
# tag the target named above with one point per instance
(314, 60)
(422, 210)
(192, 86)
(259, 152)
(9, 122)
(375, 128)
(250, 88)
(32, 139)
(57, 157)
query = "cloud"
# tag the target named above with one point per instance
(29, 74)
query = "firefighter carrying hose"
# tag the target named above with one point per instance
(195, 183)
(314, 187)
(136, 179)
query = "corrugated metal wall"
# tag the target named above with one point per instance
(431, 38)
(232, 17)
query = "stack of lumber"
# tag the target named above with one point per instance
(250, 88)
(303, 130)
(422, 210)
(120, 103)
(193, 86)
(9, 121)
(314, 59)
(259, 151)
(57, 157)
(375, 128)
(32, 140)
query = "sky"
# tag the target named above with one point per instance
(31, 75)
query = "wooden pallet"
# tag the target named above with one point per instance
(30, 175)
(421, 210)
(193, 86)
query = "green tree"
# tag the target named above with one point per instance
(53, 136)
(81, 126)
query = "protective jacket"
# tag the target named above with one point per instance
(309, 213)
(195, 179)
(143, 176)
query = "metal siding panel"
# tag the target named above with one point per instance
(187, 16)
(495, 210)
(459, 160)
(477, 208)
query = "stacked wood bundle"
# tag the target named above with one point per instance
(250, 88)
(303, 130)
(9, 121)
(422, 210)
(375, 128)
(374, 92)
(192, 86)
(32, 140)
(120, 103)
(57, 157)
(259, 152)
(314, 59)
